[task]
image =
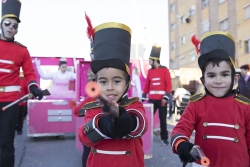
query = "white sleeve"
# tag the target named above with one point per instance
(44, 75)
(72, 76)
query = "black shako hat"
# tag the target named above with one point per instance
(216, 45)
(155, 53)
(111, 47)
(11, 9)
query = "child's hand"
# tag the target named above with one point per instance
(110, 108)
(184, 151)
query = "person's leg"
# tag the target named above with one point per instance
(170, 110)
(19, 125)
(163, 121)
(8, 120)
(85, 155)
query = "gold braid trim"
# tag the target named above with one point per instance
(130, 101)
(242, 99)
(196, 97)
(85, 107)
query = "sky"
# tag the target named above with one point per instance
(57, 28)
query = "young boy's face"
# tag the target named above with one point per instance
(218, 78)
(112, 82)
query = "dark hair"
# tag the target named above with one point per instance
(215, 62)
(245, 67)
(158, 61)
(62, 62)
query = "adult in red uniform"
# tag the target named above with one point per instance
(158, 87)
(114, 130)
(22, 107)
(13, 56)
(220, 118)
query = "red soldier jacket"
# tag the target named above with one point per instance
(108, 152)
(158, 84)
(222, 129)
(13, 56)
(79, 111)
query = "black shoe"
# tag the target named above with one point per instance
(165, 142)
(19, 132)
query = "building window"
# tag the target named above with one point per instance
(247, 45)
(182, 60)
(221, 1)
(183, 19)
(205, 3)
(205, 26)
(172, 7)
(191, 12)
(192, 57)
(173, 26)
(224, 25)
(183, 39)
(247, 12)
(173, 46)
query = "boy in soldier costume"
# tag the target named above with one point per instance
(220, 118)
(113, 130)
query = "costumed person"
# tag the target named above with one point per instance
(61, 79)
(158, 87)
(113, 130)
(22, 109)
(13, 56)
(244, 81)
(220, 118)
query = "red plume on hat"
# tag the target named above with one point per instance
(90, 30)
(196, 43)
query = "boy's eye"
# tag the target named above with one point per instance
(102, 82)
(211, 76)
(117, 81)
(225, 75)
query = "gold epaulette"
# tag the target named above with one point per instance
(196, 97)
(129, 101)
(90, 105)
(20, 44)
(242, 99)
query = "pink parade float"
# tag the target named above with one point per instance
(53, 116)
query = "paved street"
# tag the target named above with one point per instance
(56, 152)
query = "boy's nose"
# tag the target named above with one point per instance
(110, 86)
(218, 80)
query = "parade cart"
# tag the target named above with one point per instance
(51, 117)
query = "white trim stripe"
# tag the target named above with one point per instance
(13, 88)
(157, 83)
(220, 124)
(177, 139)
(33, 83)
(5, 70)
(160, 92)
(144, 123)
(137, 124)
(155, 79)
(6, 61)
(111, 152)
(220, 137)
(93, 124)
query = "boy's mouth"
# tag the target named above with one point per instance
(111, 96)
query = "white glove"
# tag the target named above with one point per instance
(37, 62)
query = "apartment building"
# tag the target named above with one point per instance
(189, 17)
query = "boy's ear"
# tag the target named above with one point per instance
(236, 78)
